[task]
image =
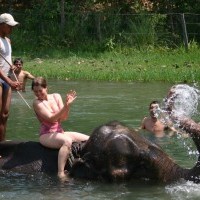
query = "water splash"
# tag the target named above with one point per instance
(183, 100)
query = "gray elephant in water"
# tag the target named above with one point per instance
(114, 152)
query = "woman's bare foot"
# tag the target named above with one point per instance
(63, 176)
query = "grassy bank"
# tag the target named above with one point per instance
(119, 65)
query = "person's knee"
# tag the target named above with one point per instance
(67, 143)
(4, 117)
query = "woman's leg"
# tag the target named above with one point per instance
(63, 155)
(62, 142)
(77, 137)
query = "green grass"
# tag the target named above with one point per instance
(119, 65)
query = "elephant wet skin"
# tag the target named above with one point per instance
(31, 157)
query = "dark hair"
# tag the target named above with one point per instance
(39, 81)
(153, 102)
(17, 60)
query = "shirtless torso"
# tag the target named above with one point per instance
(22, 77)
(154, 126)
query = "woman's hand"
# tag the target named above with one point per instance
(71, 96)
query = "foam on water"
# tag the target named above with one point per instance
(185, 190)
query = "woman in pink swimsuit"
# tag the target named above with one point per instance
(51, 111)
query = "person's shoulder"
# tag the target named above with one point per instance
(8, 39)
(56, 94)
(145, 119)
(24, 72)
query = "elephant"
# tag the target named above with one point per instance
(31, 157)
(114, 152)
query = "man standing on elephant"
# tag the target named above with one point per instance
(7, 22)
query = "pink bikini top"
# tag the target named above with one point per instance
(50, 127)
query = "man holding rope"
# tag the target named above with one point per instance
(7, 22)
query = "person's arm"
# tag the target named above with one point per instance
(13, 84)
(28, 75)
(60, 104)
(45, 113)
(143, 123)
(142, 126)
(70, 97)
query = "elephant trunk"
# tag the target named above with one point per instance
(165, 168)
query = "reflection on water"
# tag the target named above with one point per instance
(97, 103)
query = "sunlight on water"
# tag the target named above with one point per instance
(185, 190)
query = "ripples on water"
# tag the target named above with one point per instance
(97, 103)
(41, 187)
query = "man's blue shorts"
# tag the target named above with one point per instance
(5, 85)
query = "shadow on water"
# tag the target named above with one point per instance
(97, 103)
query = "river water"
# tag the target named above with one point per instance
(97, 103)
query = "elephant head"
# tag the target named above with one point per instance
(116, 152)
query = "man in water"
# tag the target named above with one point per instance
(20, 74)
(153, 124)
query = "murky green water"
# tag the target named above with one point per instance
(97, 103)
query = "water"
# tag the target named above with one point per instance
(97, 103)
(182, 101)
(185, 100)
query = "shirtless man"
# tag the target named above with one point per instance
(21, 75)
(154, 125)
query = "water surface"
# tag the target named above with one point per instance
(97, 103)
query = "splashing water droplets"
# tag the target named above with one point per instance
(181, 102)
(183, 99)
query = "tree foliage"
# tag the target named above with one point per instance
(75, 23)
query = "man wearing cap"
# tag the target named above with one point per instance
(7, 22)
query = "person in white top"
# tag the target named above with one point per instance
(7, 23)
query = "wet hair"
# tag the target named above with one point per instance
(39, 81)
(153, 102)
(18, 60)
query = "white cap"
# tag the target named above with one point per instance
(8, 19)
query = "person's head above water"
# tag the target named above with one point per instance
(39, 81)
(153, 106)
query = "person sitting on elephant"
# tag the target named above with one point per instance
(51, 111)
(153, 124)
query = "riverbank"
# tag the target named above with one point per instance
(122, 65)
